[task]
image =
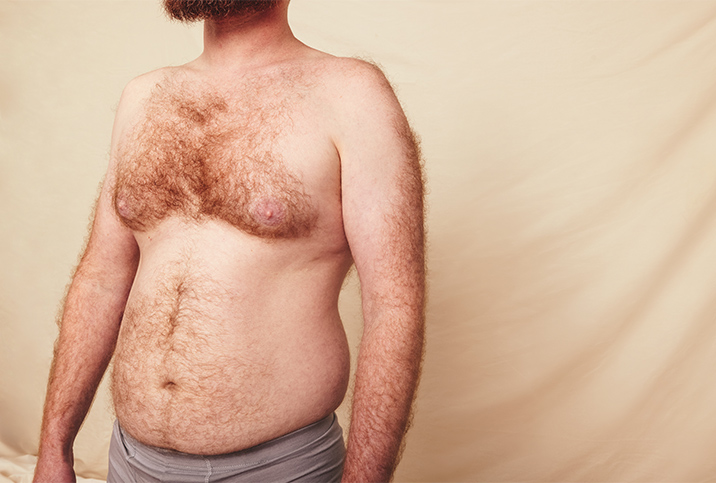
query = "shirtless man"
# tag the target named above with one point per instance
(241, 188)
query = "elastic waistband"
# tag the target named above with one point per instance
(260, 454)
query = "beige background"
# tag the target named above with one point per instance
(570, 149)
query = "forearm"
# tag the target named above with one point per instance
(88, 333)
(386, 379)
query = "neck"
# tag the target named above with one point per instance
(248, 40)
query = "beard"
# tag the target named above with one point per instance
(193, 10)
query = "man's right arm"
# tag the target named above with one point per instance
(89, 327)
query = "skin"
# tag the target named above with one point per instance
(229, 325)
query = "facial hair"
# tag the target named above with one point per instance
(194, 10)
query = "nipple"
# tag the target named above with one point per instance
(122, 207)
(268, 211)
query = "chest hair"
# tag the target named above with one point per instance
(201, 153)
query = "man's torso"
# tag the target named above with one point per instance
(231, 334)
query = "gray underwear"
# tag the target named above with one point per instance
(314, 453)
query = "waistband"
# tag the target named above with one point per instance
(264, 453)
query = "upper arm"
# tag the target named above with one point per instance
(382, 193)
(112, 253)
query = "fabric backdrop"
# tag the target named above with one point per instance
(570, 157)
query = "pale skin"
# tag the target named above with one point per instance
(251, 282)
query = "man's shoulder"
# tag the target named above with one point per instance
(349, 66)
(135, 92)
(350, 83)
(354, 72)
(142, 85)
(359, 99)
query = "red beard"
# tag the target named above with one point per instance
(193, 10)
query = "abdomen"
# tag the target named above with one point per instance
(215, 356)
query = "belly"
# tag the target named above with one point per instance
(210, 362)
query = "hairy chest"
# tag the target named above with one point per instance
(199, 154)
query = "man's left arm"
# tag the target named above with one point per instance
(382, 195)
